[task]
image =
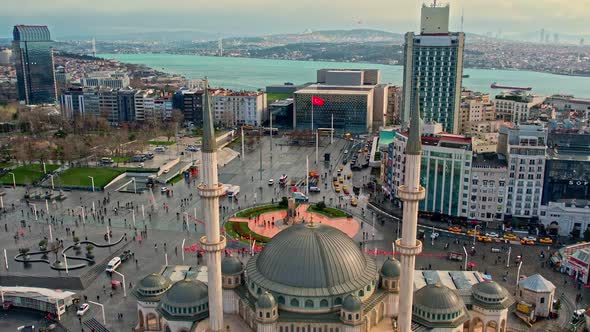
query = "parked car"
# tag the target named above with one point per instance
(353, 202)
(82, 309)
(271, 182)
(511, 237)
(314, 189)
(546, 240)
(492, 234)
(163, 189)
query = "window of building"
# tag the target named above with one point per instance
(294, 302)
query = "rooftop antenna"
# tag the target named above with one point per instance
(93, 47)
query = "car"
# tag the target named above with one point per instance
(166, 171)
(344, 187)
(164, 189)
(527, 242)
(350, 139)
(511, 237)
(455, 229)
(531, 238)
(271, 182)
(546, 240)
(472, 232)
(485, 239)
(345, 151)
(346, 191)
(340, 169)
(141, 165)
(337, 189)
(113, 264)
(353, 202)
(314, 189)
(340, 179)
(492, 234)
(348, 176)
(82, 308)
(336, 184)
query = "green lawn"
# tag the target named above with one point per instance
(240, 231)
(270, 97)
(79, 176)
(27, 174)
(328, 212)
(256, 211)
(161, 142)
(176, 178)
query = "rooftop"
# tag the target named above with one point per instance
(489, 160)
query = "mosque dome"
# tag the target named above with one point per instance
(391, 268)
(352, 303)
(231, 265)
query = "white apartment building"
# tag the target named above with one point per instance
(144, 105)
(524, 147)
(516, 107)
(489, 175)
(233, 108)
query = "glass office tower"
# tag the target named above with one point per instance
(32, 47)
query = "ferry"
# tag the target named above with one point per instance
(496, 86)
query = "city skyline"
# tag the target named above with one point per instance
(214, 20)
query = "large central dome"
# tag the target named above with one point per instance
(313, 260)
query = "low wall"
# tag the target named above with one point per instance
(168, 165)
(119, 177)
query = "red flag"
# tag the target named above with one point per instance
(317, 101)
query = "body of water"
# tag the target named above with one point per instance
(252, 74)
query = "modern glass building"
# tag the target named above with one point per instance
(33, 54)
(445, 171)
(435, 58)
(351, 107)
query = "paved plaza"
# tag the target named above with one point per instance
(171, 219)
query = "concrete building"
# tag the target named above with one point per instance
(145, 106)
(72, 102)
(108, 105)
(394, 105)
(33, 54)
(282, 113)
(238, 108)
(516, 107)
(106, 79)
(190, 103)
(489, 176)
(354, 98)
(446, 170)
(524, 147)
(566, 188)
(476, 110)
(287, 87)
(435, 59)
(537, 291)
(5, 57)
(569, 103)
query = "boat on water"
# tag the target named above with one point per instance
(496, 86)
(465, 76)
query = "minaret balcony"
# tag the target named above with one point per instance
(407, 194)
(213, 246)
(216, 191)
(405, 250)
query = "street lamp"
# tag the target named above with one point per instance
(52, 185)
(182, 249)
(13, 180)
(474, 233)
(92, 178)
(134, 185)
(465, 251)
(104, 321)
(124, 288)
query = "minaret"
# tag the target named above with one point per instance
(213, 242)
(410, 193)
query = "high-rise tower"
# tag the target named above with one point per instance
(410, 193)
(436, 56)
(213, 242)
(33, 54)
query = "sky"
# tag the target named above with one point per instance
(73, 18)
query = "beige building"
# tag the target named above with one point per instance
(516, 107)
(489, 172)
(537, 291)
(394, 105)
(477, 112)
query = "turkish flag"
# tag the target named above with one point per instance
(317, 101)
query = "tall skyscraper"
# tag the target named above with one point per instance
(436, 56)
(213, 243)
(33, 54)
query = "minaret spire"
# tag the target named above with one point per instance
(213, 242)
(410, 193)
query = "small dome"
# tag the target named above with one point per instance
(352, 303)
(231, 265)
(489, 289)
(438, 299)
(266, 301)
(154, 282)
(186, 293)
(391, 268)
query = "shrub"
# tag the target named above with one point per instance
(284, 202)
(320, 205)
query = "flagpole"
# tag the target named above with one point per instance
(306, 175)
(312, 114)
(317, 138)
(332, 132)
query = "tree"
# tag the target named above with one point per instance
(320, 205)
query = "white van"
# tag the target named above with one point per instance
(113, 264)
